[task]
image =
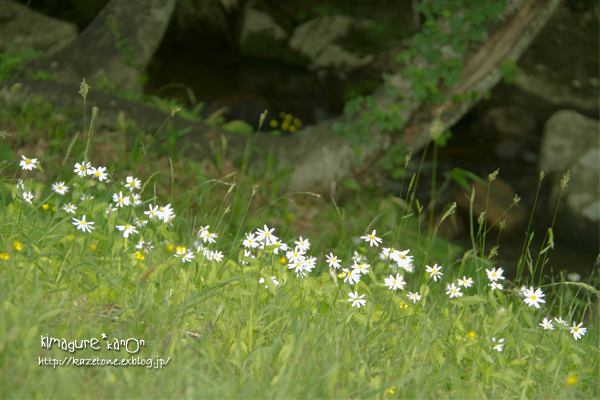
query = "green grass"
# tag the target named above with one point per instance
(226, 335)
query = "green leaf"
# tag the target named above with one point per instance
(239, 126)
(351, 184)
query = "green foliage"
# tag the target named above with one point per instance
(509, 71)
(11, 60)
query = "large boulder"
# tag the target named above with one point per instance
(571, 142)
(26, 28)
(320, 42)
(261, 35)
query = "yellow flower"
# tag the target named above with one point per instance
(4, 256)
(46, 207)
(273, 123)
(297, 122)
(282, 260)
(288, 117)
(403, 305)
(471, 334)
(571, 380)
(139, 255)
(391, 390)
(93, 247)
(54, 208)
(292, 128)
(170, 247)
(18, 246)
(285, 125)
(179, 249)
(281, 114)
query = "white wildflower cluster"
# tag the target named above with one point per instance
(208, 238)
(495, 276)
(577, 330)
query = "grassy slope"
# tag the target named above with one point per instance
(225, 334)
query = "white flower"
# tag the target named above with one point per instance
(152, 212)
(146, 246)
(164, 213)
(28, 197)
(352, 277)
(547, 324)
(359, 257)
(296, 255)
(372, 239)
(402, 259)
(333, 261)
(110, 209)
(310, 263)
(69, 208)
(137, 199)
(266, 236)
(578, 331)
(217, 256)
(99, 173)
(435, 271)
(534, 298)
(467, 283)
(574, 277)
(86, 197)
(453, 291)
(396, 282)
(250, 241)
(140, 222)
(356, 299)
(186, 256)
(20, 185)
(279, 245)
(414, 296)
(121, 200)
(273, 278)
(560, 321)
(28, 163)
(210, 237)
(494, 274)
(60, 188)
(127, 230)
(495, 285)
(132, 183)
(362, 268)
(298, 267)
(83, 224)
(498, 345)
(303, 244)
(81, 169)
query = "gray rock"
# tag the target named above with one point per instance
(318, 40)
(572, 143)
(260, 35)
(567, 136)
(26, 28)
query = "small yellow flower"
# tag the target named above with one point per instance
(139, 255)
(571, 380)
(273, 123)
(179, 249)
(288, 117)
(170, 247)
(403, 305)
(292, 129)
(297, 122)
(282, 260)
(4, 256)
(281, 114)
(93, 247)
(54, 208)
(391, 390)
(18, 246)
(46, 207)
(471, 334)
(285, 125)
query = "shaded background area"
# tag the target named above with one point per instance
(202, 59)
